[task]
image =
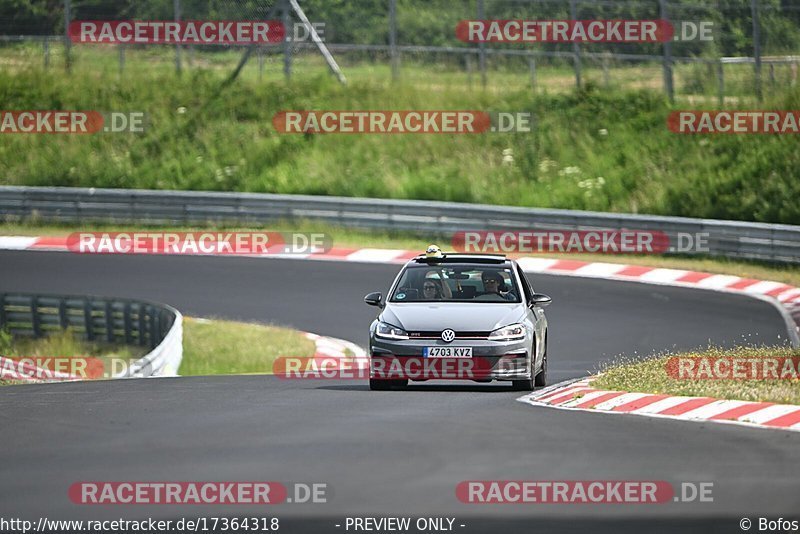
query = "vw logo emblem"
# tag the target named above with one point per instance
(448, 335)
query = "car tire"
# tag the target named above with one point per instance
(527, 384)
(541, 377)
(379, 384)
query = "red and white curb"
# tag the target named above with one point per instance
(331, 347)
(581, 396)
(22, 371)
(786, 298)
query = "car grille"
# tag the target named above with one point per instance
(437, 334)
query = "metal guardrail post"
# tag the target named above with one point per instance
(127, 324)
(88, 320)
(62, 314)
(142, 323)
(109, 317)
(36, 323)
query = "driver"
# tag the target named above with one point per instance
(493, 283)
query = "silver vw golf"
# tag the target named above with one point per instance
(460, 316)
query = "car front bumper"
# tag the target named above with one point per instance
(491, 360)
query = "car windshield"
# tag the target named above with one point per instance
(456, 283)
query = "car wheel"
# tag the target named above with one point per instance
(528, 384)
(379, 384)
(541, 378)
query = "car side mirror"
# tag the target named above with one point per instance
(374, 299)
(539, 299)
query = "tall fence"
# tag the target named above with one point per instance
(754, 46)
(778, 243)
(157, 327)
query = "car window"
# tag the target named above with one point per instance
(526, 286)
(456, 282)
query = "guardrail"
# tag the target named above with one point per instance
(131, 322)
(768, 242)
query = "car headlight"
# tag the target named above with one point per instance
(508, 333)
(388, 331)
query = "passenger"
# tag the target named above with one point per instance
(431, 290)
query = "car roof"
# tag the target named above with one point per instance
(483, 259)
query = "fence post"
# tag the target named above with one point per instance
(482, 48)
(176, 6)
(669, 86)
(46, 52)
(67, 42)
(2, 310)
(121, 59)
(721, 83)
(576, 48)
(287, 48)
(393, 39)
(606, 76)
(87, 319)
(128, 326)
(35, 321)
(109, 322)
(62, 314)
(260, 63)
(757, 47)
(469, 70)
(532, 67)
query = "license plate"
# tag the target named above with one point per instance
(447, 352)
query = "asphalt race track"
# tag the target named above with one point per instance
(384, 453)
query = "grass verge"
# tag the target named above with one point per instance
(216, 347)
(651, 376)
(594, 149)
(209, 347)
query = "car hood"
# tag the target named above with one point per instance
(463, 317)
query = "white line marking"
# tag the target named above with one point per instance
(375, 255)
(718, 281)
(769, 413)
(601, 270)
(535, 265)
(664, 404)
(619, 401)
(710, 410)
(14, 242)
(663, 275)
(763, 287)
(585, 398)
